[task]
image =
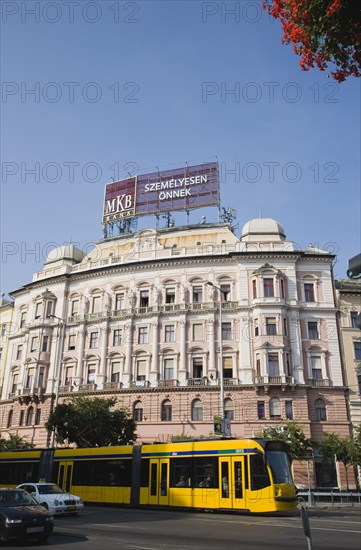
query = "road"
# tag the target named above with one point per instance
(132, 529)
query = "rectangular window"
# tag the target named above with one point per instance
(144, 298)
(119, 301)
(38, 310)
(260, 410)
(38, 417)
(353, 319)
(271, 327)
(313, 330)
(309, 292)
(169, 295)
(69, 373)
(96, 304)
(226, 331)
(282, 288)
(94, 340)
(91, 374)
(169, 333)
(71, 342)
(29, 378)
(227, 367)
(197, 294)
(22, 417)
(285, 326)
(143, 335)
(316, 369)
(141, 369)
(74, 308)
(289, 410)
(197, 330)
(41, 377)
(34, 344)
(268, 289)
(225, 292)
(197, 367)
(169, 369)
(258, 365)
(14, 386)
(256, 327)
(22, 319)
(359, 383)
(117, 337)
(288, 365)
(115, 371)
(44, 346)
(49, 308)
(19, 352)
(273, 364)
(357, 348)
(254, 289)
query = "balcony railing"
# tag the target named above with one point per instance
(319, 383)
(87, 387)
(167, 383)
(66, 389)
(112, 385)
(274, 380)
(230, 381)
(139, 384)
(197, 381)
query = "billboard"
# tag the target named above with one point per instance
(159, 192)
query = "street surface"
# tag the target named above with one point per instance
(131, 529)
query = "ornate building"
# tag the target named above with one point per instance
(136, 319)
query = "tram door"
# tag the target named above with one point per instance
(65, 475)
(232, 486)
(158, 483)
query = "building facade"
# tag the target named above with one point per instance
(349, 303)
(6, 314)
(137, 319)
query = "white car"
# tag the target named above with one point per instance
(53, 498)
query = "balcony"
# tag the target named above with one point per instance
(323, 383)
(139, 384)
(112, 385)
(167, 383)
(196, 382)
(65, 389)
(230, 382)
(87, 387)
(280, 380)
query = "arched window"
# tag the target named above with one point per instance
(10, 419)
(320, 409)
(30, 416)
(166, 411)
(197, 410)
(229, 409)
(138, 411)
(275, 408)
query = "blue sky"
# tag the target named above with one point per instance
(131, 86)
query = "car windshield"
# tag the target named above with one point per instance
(9, 499)
(49, 489)
(280, 466)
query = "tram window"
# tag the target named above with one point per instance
(144, 473)
(180, 468)
(102, 472)
(206, 472)
(259, 473)
(19, 472)
(238, 489)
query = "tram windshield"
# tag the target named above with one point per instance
(280, 466)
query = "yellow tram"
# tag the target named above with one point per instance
(220, 474)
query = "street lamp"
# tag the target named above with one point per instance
(221, 384)
(58, 356)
